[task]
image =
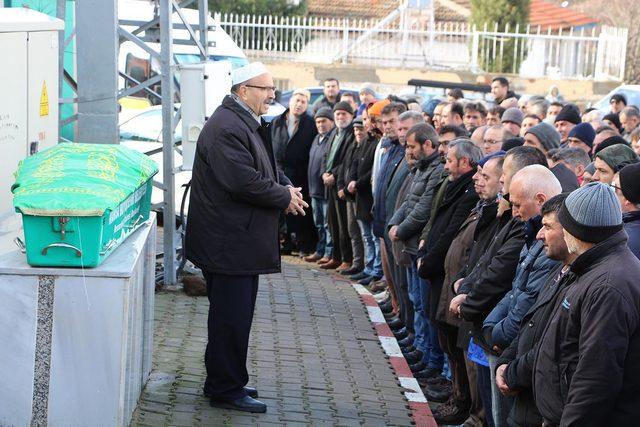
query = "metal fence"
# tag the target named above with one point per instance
(400, 42)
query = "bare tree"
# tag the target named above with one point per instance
(619, 13)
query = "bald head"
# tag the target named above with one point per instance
(530, 188)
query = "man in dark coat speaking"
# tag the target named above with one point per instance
(237, 195)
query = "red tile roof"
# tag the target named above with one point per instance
(549, 15)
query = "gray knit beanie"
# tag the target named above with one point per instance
(591, 213)
(513, 115)
(547, 134)
(324, 112)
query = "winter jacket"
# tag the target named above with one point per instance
(400, 257)
(388, 164)
(292, 153)
(458, 201)
(492, 276)
(568, 180)
(343, 138)
(631, 222)
(520, 354)
(502, 324)
(457, 257)
(348, 164)
(414, 212)
(237, 195)
(361, 174)
(586, 372)
(441, 187)
(316, 156)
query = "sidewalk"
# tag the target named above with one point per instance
(314, 356)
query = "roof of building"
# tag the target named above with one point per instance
(361, 9)
(550, 15)
(543, 13)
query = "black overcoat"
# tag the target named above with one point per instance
(237, 195)
(292, 153)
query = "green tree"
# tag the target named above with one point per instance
(497, 54)
(259, 7)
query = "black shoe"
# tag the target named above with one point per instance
(367, 280)
(244, 404)
(417, 367)
(389, 315)
(407, 350)
(401, 333)
(406, 342)
(451, 413)
(386, 308)
(395, 323)
(437, 380)
(439, 396)
(251, 392)
(351, 271)
(385, 302)
(359, 276)
(414, 357)
(427, 373)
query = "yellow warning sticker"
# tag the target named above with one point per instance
(44, 100)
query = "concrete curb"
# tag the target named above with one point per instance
(421, 413)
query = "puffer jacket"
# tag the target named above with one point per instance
(586, 372)
(414, 212)
(502, 324)
(491, 279)
(520, 354)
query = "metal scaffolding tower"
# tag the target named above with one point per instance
(98, 34)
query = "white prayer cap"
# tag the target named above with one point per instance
(247, 72)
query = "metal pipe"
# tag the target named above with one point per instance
(168, 210)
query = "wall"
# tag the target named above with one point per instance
(293, 74)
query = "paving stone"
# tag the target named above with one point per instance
(313, 355)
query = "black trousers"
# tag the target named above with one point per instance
(401, 286)
(339, 227)
(232, 300)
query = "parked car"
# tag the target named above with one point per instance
(316, 93)
(631, 92)
(141, 130)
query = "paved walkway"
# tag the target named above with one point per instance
(314, 356)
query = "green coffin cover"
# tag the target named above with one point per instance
(77, 179)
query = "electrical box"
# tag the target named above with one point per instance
(28, 99)
(202, 88)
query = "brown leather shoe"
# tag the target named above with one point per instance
(323, 260)
(330, 265)
(343, 266)
(312, 258)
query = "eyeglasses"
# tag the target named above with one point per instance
(615, 187)
(271, 88)
(491, 141)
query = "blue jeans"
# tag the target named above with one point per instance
(419, 320)
(500, 404)
(319, 208)
(434, 356)
(372, 258)
(484, 390)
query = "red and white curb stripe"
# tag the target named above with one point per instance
(421, 412)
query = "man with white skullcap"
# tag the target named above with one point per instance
(237, 195)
